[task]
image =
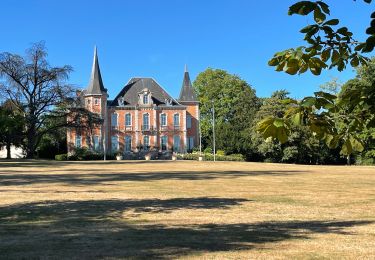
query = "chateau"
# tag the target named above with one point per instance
(142, 117)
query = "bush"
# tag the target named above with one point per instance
(210, 157)
(61, 157)
(83, 154)
(220, 152)
(208, 150)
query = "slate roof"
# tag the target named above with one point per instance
(95, 86)
(136, 85)
(187, 91)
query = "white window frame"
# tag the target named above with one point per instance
(190, 142)
(114, 149)
(98, 144)
(166, 142)
(148, 121)
(176, 149)
(144, 142)
(188, 121)
(147, 98)
(78, 137)
(161, 119)
(130, 115)
(114, 125)
(174, 119)
(127, 137)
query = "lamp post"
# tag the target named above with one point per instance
(200, 132)
(213, 129)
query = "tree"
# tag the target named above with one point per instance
(300, 147)
(11, 126)
(338, 120)
(235, 106)
(40, 92)
(327, 47)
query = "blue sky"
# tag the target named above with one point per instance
(157, 38)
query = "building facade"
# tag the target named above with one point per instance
(142, 117)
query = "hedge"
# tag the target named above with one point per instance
(210, 157)
(61, 157)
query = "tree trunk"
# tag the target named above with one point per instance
(348, 159)
(30, 146)
(8, 146)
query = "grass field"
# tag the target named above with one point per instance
(165, 209)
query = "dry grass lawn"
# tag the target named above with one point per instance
(185, 210)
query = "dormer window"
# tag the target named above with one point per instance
(145, 98)
(121, 101)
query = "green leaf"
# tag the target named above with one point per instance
(307, 28)
(296, 119)
(319, 17)
(354, 62)
(262, 125)
(346, 149)
(335, 56)
(282, 135)
(271, 131)
(326, 54)
(325, 95)
(308, 102)
(274, 61)
(332, 141)
(278, 122)
(332, 22)
(324, 7)
(356, 144)
(302, 8)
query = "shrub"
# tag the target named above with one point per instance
(210, 157)
(220, 152)
(61, 157)
(83, 154)
(208, 150)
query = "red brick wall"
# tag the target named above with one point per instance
(136, 125)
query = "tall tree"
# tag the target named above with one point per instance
(235, 105)
(39, 91)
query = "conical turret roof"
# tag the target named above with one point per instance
(187, 91)
(95, 86)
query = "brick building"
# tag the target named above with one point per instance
(143, 117)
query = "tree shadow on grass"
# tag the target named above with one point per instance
(104, 229)
(92, 177)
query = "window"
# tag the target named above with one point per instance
(88, 102)
(96, 101)
(163, 119)
(96, 142)
(176, 120)
(188, 121)
(190, 143)
(78, 141)
(128, 143)
(146, 119)
(145, 98)
(88, 141)
(176, 143)
(128, 120)
(146, 142)
(164, 141)
(114, 142)
(114, 120)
